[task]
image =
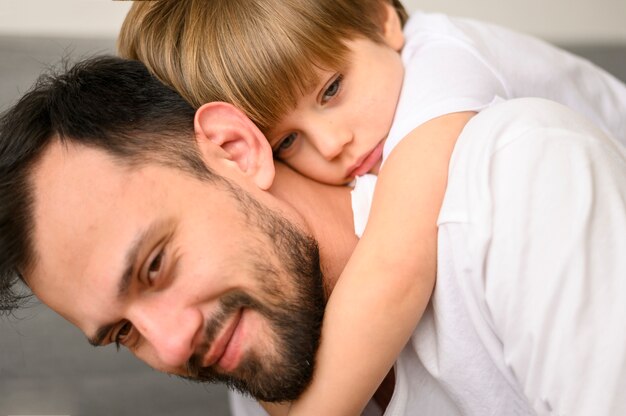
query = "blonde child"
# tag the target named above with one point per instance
(323, 79)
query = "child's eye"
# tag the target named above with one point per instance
(285, 144)
(332, 89)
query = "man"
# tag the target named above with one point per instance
(174, 235)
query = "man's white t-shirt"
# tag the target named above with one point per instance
(529, 306)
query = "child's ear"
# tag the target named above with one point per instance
(222, 124)
(392, 27)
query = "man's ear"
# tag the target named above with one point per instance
(222, 124)
(392, 27)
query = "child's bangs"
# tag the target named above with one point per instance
(285, 70)
(265, 70)
(258, 55)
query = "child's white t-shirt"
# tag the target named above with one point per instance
(453, 64)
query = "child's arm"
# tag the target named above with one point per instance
(388, 280)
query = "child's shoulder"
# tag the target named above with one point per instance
(426, 26)
(426, 23)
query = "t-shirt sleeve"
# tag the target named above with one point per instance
(442, 76)
(555, 271)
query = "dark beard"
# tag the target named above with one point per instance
(295, 317)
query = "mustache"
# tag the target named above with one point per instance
(229, 305)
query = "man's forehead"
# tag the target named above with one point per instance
(69, 183)
(75, 189)
(80, 236)
(61, 161)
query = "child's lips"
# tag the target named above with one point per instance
(367, 162)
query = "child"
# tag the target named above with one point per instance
(322, 79)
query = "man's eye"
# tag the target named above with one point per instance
(155, 267)
(285, 144)
(332, 89)
(122, 335)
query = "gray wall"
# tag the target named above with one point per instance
(562, 21)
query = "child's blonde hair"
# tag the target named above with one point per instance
(256, 54)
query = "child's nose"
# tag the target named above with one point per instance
(333, 141)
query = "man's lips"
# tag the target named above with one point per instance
(219, 346)
(366, 163)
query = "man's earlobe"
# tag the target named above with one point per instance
(221, 124)
(392, 28)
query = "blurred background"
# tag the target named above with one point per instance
(46, 367)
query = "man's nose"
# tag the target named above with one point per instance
(331, 139)
(171, 330)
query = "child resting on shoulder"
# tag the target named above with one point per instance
(324, 80)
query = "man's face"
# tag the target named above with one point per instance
(196, 278)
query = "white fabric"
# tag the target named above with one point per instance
(361, 197)
(457, 358)
(241, 405)
(528, 310)
(453, 64)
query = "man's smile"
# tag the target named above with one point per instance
(225, 350)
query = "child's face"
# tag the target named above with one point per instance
(337, 131)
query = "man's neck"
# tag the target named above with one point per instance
(327, 211)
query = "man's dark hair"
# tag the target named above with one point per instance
(105, 102)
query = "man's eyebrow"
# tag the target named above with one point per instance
(125, 279)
